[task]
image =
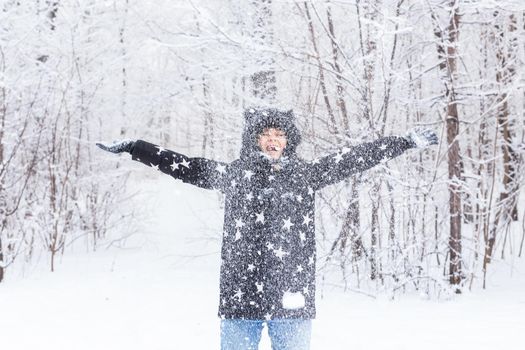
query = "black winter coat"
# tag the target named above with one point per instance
(268, 247)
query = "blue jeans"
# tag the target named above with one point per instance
(285, 334)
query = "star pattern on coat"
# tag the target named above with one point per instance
(248, 174)
(238, 235)
(307, 219)
(338, 157)
(238, 294)
(268, 246)
(160, 150)
(259, 217)
(174, 166)
(280, 253)
(239, 223)
(287, 225)
(185, 163)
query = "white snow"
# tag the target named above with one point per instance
(161, 292)
(293, 301)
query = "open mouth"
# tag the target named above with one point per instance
(273, 148)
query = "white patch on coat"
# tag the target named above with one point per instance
(293, 301)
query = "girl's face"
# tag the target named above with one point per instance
(272, 142)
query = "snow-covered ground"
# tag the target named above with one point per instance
(161, 292)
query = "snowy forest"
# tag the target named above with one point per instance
(180, 73)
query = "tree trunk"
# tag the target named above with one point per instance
(447, 53)
(507, 203)
(322, 80)
(504, 76)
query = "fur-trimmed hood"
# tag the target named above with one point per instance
(257, 119)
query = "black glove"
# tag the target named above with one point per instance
(118, 146)
(421, 138)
